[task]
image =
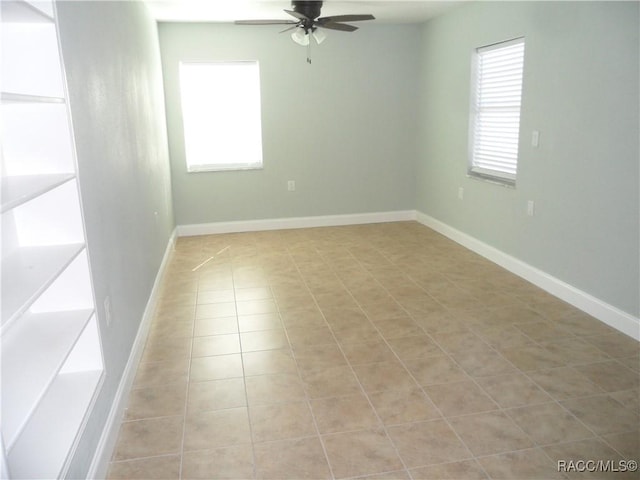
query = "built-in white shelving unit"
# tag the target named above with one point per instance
(51, 354)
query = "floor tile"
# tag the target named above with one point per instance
(215, 326)
(427, 443)
(153, 468)
(281, 421)
(262, 321)
(398, 327)
(161, 373)
(544, 331)
(458, 342)
(171, 349)
(435, 370)
(149, 438)
(576, 351)
(531, 357)
(395, 475)
(361, 453)
(319, 357)
(403, 406)
(342, 414)
(549, 423)
(215, 345)
(465, 470)
(218, 428)
(611, 376)
(415, 346)
(629, 399)
(277, 388)
(460, 398)
(375, 377)
(365, 353)
(525, 464)
(216, 310)
(483, 362)
(602, 414)
(263, 340)
(501, 336)
(256, 307)
(627, 444)
(216, 296)
(216, 367)
(216, 395)
(330, 382)
(565, 382)
(291, 459)
(513, 390)
(615, 344)
(159, 401)
(308, 336)
(269, 362)
(235, 462)
(490, 433)
(255, 293)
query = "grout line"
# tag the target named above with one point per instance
(244, 374)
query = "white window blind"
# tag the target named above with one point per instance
(496, 98)
(221, 115)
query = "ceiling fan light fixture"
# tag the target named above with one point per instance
(319, 35)
(300, 37)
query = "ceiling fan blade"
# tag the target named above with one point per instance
(293, 25)
(343, 27)
(345, 18)
(265, 22)
(298, 15)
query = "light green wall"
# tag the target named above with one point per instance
(344, 127)
(581, 91)
(113, 69)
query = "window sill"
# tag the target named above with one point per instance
(223, 168)
(504, 180)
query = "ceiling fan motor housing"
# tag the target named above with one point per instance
(309, 9)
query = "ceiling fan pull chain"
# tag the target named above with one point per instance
(309, 51)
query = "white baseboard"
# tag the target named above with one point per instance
(294, 222)
(100, 464)
(612, 316)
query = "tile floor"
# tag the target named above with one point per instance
(380, 351)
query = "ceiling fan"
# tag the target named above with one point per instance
(308, 22)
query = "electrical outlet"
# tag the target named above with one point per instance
(107, 310)
(291, 185)
(461, 193)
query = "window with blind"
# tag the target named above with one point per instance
(495, 111)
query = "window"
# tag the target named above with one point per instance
(495, 111)
(221, 115)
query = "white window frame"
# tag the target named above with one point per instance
(221, 114)
(496, 99)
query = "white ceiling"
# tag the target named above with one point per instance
(385, 11)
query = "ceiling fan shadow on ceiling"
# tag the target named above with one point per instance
(308, 23)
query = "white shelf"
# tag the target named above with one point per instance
(36, 136)
(16, 11)
(22, 188)
(28, 347)
(10, 97)
(28, 272)
(30, 59)
(43, 447)
(52, 361)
